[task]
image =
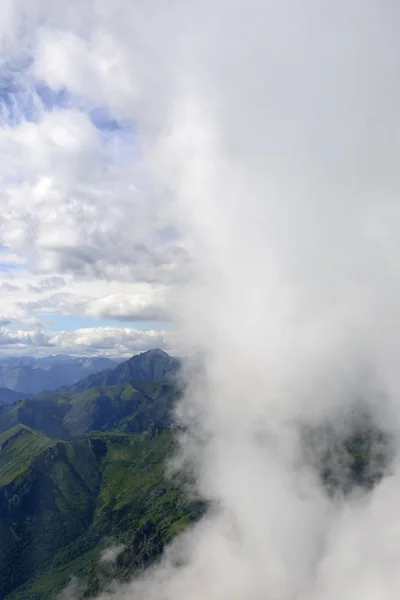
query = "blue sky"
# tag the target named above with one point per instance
(23, 97)
(5, 266)
(70, 323)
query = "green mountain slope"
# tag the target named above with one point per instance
(82, 469)
(45, 414)
(129, 407)
(62, 502)
(47, 498)
(18, 447)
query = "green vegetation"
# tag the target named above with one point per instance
(82, 468)
(70, 499)
(18, 447)
(128, 406)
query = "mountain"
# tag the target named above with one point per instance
(8, 396)
(82, 469)
(148, 366)
(63, 502)
(47, 361)
(33, 375)
(137, 395)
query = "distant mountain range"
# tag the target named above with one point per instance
(136, 395)
(8, 396)
(30, 375)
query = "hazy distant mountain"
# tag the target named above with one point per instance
(31, 375)
(8, 396)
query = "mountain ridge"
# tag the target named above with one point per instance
(28, 375)
(150, 365)
(8, 396)
(138, 394)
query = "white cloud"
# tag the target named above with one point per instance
(23, 339)
(127, 308)
(107, 341)
(47, 284)
(97, 68)
(142, 304)
(9, 287)
(85, 231)
(102, 341)
(30, 304)
(10, 259)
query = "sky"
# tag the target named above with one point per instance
(84, 266)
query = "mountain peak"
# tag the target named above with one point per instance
(151, 365)
(154, 352)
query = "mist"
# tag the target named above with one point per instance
(269, 137)
(283, 141)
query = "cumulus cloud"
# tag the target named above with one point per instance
(23, 338)
(97, 68)
(31, 305)
(47, 284)
(67, 208)
(8, 287)
(108, 341)
(91, 341)
(127, 308)
(139, 306)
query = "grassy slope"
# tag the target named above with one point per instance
(101, 488)
(122, 406)
(45, 414)
(18, 447)
(50, 500)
